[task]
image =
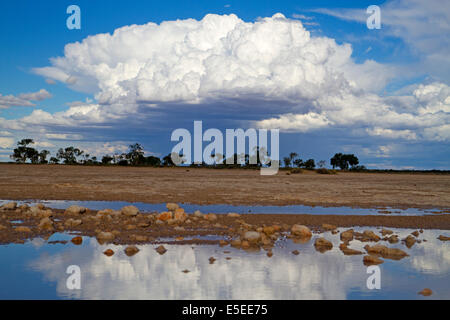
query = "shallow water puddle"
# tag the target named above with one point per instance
(220, 208)
(38, 270)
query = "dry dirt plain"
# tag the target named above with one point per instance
(223, 186)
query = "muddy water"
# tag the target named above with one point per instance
(37, 270)
(190, 208)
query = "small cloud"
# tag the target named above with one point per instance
(6, 142)
(50, 81)
(23, 99)
(301, 16)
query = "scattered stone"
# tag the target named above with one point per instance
(328, 227)
(165, 216)
(70, 223)
(22, 229)
(74, 210)
(131, 250)
(369, 235)
(252, 236)
(211, 217)
(322, 245)
(385, 232)
(371, 260)
(185, 271)
(178, 228)
(198, 214)
(172, 206)
(347, 235)
(108, 252)
(24, 207)
(77, 240)
(385, 252)
(144, 225)
(393, 239)
(296, 252)
(245, 244)
(268, 230)
(105, 236)
(140, 238)
(415, 233)
(409, 241)
(233, 215)
(236, 243)
(443, 238)
(108, 212)
(211, 260)
(9, 206)
(180, 215)
(223, 243)
(130, 211)
(426, 292)
(46, 224)
(348, 251)
(161, 250)
(269, 253)
(301, 231)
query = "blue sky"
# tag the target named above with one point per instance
(399, 74)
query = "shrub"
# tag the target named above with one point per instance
(325, 171)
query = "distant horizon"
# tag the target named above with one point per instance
(314, 71)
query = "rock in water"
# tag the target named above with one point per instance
(130, 211)
(347, 235)
(77, 240)
(443, 238)
(370, 236)
(131, 250)
(371, 260)
(301, 231)
(410, 241)
(161, 250)
(426, 292)
(108, 252)
(322, 245)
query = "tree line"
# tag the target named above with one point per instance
(135, 157)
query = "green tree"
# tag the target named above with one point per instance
(54, 160)
(69, 155)
(43, 156)
(309, 164)
(107, 159)
(23, 152)
(136, 154)
(343, 161)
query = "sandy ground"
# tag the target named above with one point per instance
(226, 186)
